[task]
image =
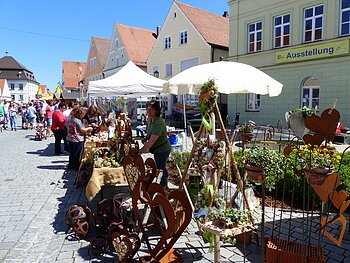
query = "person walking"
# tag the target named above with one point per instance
(48, 118)
(59, 127)
(31, 116)
(13, 116)
(6, 114)
(157, 139)
(2, 115)
(75, 137)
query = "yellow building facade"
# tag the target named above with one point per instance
(303, 44)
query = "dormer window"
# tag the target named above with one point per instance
(19, 74)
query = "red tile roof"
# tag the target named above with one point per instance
(214, 28)
(72, 73)
(102, 49)
(138, 43)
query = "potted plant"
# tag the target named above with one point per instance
(316, 162)
(262, 164)
(246, 131)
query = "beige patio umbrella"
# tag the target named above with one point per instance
(230, 77)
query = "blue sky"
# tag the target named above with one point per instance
(41, 34)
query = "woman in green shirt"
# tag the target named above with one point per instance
(157, 139)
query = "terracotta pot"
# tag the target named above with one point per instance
(255, 174)
(244, 238)
(246, 137)
(204, 96)
(317, 176)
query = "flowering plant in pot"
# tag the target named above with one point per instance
(317, 162)
(247, 127)
(246, 131)
(268, 163)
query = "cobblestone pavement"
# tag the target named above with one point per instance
(36, 190)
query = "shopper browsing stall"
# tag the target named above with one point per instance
(157, 140)
(75, 137)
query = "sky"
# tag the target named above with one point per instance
(40, 34)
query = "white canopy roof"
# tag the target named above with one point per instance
(4, 90)
(130, 80)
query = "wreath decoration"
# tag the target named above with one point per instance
(208, 156)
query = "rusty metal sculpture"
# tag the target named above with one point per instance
(140, 176)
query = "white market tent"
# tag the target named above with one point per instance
(130, 81)
(4, 90)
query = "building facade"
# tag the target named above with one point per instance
(303, 44)
(72, 79)
(129, 43)
(21, 81)
(96, 60)
(189, 36)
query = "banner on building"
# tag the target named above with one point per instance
(329, 49)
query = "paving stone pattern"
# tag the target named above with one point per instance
(36, 191)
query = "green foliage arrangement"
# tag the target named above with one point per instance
(207, 97)
(305, 111)
(269, 160)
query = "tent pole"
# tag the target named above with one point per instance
(185, 121)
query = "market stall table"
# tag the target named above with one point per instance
(104, 176)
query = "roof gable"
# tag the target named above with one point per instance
(138, 42)
(102, 48)
(72, 73)
(213, 28)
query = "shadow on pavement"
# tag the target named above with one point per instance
(48, 151)
(52, 167)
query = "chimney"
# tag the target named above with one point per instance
(225, 14)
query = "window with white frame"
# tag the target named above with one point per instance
(168, 70)
(254, 37)
(167, 42)
(345, 18)
(21, 97)
(253, 102)
(310, 93)
(93, 62)
(281, 31)
(313, 23)
(12, 86)
(20, 86)
(183, 38)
